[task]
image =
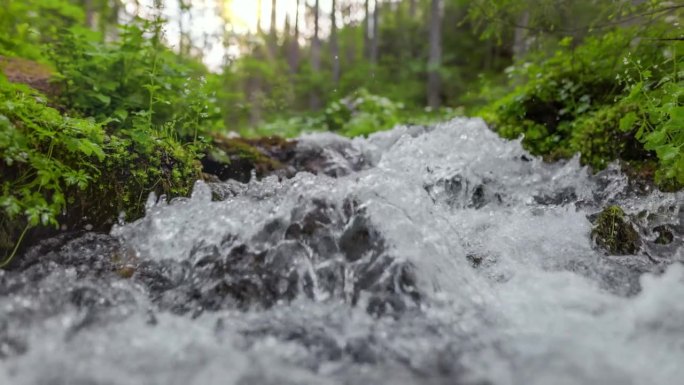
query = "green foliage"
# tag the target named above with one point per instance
(256, 95)
(52, 162)
(155, 105)
(131, 80)
(131, 119)
(288, 127)
(360, 113)
(42, 154)
(594, 100)
(24, 27)
(657, 120)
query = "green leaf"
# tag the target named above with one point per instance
(121, 114)
(627, 121)
(88, 148)
(103, 98)
(654, 139)
(667, 153)
(11, 205)
(635, 92)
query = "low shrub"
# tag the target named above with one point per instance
(594, 99)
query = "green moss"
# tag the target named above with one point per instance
(62, 171)
(237, 158)
(602, 100)
(130, 175)
(614, 233)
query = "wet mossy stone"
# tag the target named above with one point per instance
(31, 73)
(614, 233)
(237, 158)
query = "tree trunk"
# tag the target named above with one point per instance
(259, 9)
(375, 43)
(188, 42)
(413, 7)
(350, 40)
(112, 31)
(254, 97)
(366, 27)
(334, 45)
(90, 13)
(254, 86)
(294, 46)
(435, 59)
(181, 9)
(273, 36)
(520, 35)
(315, 100)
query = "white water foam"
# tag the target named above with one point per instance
(542, 305)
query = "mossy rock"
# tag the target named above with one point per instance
(238, 158)
(31, 73)
(126, 179)
(614, 233)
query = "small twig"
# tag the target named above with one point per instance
(7, 261)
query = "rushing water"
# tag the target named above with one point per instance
(441, 255)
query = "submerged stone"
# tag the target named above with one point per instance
(665, 234)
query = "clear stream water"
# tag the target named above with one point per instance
(438, 255)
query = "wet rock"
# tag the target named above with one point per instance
(323, 250)
(358, 239)
(475, 259)
(87, 252)
(328, 155)
(237, 158)
(31, 73)
(562, 197)
(10, 345)
(362, 351)
(460, 192)
(614, 232)
(478, 199)
(616, 274)
(665, 234)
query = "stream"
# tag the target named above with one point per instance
(420, 255)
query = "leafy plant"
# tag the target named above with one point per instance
(595, 100)
(658, 116)
(132, 78)
(131, 119)
(42, 154)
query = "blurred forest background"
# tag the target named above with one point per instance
(112, 99)
(270, 60)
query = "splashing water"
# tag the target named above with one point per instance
(440, 255)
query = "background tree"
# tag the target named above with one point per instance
(315, 99)
(435, 59)
(334, 45)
